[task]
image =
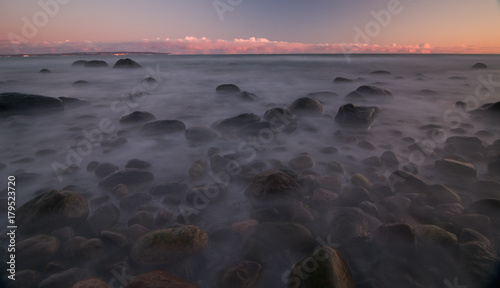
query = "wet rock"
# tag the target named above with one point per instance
(494, 166)
(373, 161)
(26, 279)
(162, 218)
(441, 194)
(52, 210)
(390, 159)
(488, 189)
(137, 164)
(64, 279)
(323, 95)
(479, 66)
(92, 165)
(150, 82)
(285, 235)
(26, 104)
(70, 102)
(163, 127)
(322, 198)
(467, 145)
(374, 91)
(329, 150)
(126, 63)
(172, 188)
(117, 239)
(405, 182)
(135, 200)
(366, 145)
(247, 96)
(92, 249)
(433, 235)
(120, 191)
(137, 117)
(479, 261)
(306, 106)
(397, 204)
(236, 122)
(352, 116)
(95, 63)
(158, 279)
(470, 235)
(136, 231)
(380, 72)
(333, 167)
(428, 92)
(244, 228)
(127, 177)
(270, 186)
(488, 207)
(79, 63)
(80, 83)
(104, 218)
(227, 89)
(331, 270)
(91, 283)
(199, 134)
(347, 224)
(167, 246)
(455, 168)
(143, 218)
(202, 195)
(352, 196)
(258, 129)
(361, 181)
(105, 169)
(244, 274)
(278, 116)
(342, 80)
(36, 251)
(302, 162)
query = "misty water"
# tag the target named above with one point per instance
(425, 88)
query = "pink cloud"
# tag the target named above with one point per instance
(252, 45)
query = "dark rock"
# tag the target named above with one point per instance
(137, 117)
(453, 168)
(333, 167)
(167, 246)
(227, 89)
(329, 150)
(342, 80)
(247, 96)
(26, 279)
(80, 83)
(440, 194)
(428, 92)
(322, 95)
(135, 200)
(488, 189)
(479, 261)
(143, 218)
(278, 116)
(150, 81)
(126, 63)
(171, 188)
(272, 185)
(354, 96)
(36, 251)
(467, 145)
(119, 191)
(494, 166)
(95, 63)
(127, 177)
(301, 162)
(137, 164)
(257, 129)
(306, 106)
(199, 134)
(479, 66)
(92, 249)
(64, 279)
(104, 218)
(70, 102)
(380, 72)
(244, 274)
(158, 279)
(162, 218)
(285, 235)
(80, 63)
(52, 210)
(163, 127)
(322, 199)
(361, 181)
(352, 116)
(91, 283)
(45, 71)
(331, 270)
(105, 169)
(374, 91)
(488, 207)
(235, 122)
(354, 195)
(390, 159)
(435, 236)
(26, 104)
(92, 165)
(347, 224)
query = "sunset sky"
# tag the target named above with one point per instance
(250, 26)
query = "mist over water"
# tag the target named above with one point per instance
(186, 91)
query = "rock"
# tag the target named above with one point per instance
(329, 150)
(270, 186)
(247, 96)
(171, 188)
(373, 161)
(36, 251)
(117, 239)
(352, 196)
(333, 167)
(301, 162)
(137, 164)
(488, 189)
(374, 91)
(128, 177)
(52, 210)
(199, 134)
(95, 63)
(236, 122)
(80, 83)
(479, 66)
(45, 71)
(137, 117)
(150, 82)
(258, 129)
(285, 235)
(470, 235)
(380, 72)
(227, 89)
(433, 235)
(405, 182)
(126, 63)
(322, 198)
(136, 231)
(396, 234)
(91, 283)
(27, 104)
(197, 196)
(79, 63)
(428, 92)
(494, 166)
(306, 106)
(120, 191)
(361, 181)
(279, 116)
(158, 279)
(366, 145)
(488, 207)
(342, 80)
(92, 249)
(352, 116)
(105, 217)
(162, 218)
(440, 194)
(322, 95)
(390, 159)
(70, 102)
(168, 246)
(453, 168)
(467, 145)
(479, 261)
(196, 171)
(26, 279)
(331, 270)
(92, 165)
(244, 274)
(64, 279)
(135, 200)
(347, 224)
(105, 169)
(244, 228)
(143, 218)
(488, 110)
(162, 127)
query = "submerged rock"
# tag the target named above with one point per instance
(270, 186)
(70, 102)
(127, 177)
(26, 104)
(455, 168)
(36, 251)
(80, 63)
(94, 63)
(166, 246)
(137, 117)
(126, 63)
(307, 106)
(227, 89)
(199, 134)
(479, 66)
(342, 80)
(233, 123)
(285, 235)
(162, 127)
(353, 116)
(244, 274)
(374, 91)
(158, 279)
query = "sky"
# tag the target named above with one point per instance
(250, 26)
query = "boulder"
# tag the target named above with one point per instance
(479, 66)
(127, 177)
(352, 116)
(440, 194)
(306, 106)
(37, 251)
(244, 274)
(285, 235)
(162, 127)
(137, 164)
(70, 102)
(52, 210)
(158, 279)
(126, 63)
(104, 218)
(454, 168)
(79, 63)
(374, 91)
(27, 104)
(105, 169)
(95, 63)
(270, 186)
(166, 246)
(236, 122)
(199, 134)
(227, 89)
(137, 117)
(64, 279)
